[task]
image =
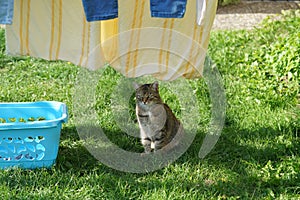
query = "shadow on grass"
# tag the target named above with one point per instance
(261, 161)
(242, 154)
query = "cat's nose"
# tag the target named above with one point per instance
(145, 100)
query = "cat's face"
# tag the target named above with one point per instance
(147, 94)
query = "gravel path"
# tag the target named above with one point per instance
(249, 14)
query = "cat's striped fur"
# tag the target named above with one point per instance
(158, 125)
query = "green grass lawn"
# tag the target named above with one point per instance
(256, 157)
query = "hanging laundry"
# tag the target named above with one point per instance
(135, 43)
(6, 11)
(168, 8)
(201, 9)
(167, 48)
(100, 9)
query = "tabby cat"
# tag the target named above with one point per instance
(158, 125)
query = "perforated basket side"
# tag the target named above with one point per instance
(29, 148)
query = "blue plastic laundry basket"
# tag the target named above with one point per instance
(30, 144)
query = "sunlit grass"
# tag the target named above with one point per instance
(256, 157)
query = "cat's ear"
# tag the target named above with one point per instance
(155, 85)
(135, 85)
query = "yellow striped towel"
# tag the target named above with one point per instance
(135, 44)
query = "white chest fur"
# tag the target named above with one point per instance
(152, 120)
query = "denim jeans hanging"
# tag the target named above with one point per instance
(6, 11)
(168, 8)
(100, 9)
